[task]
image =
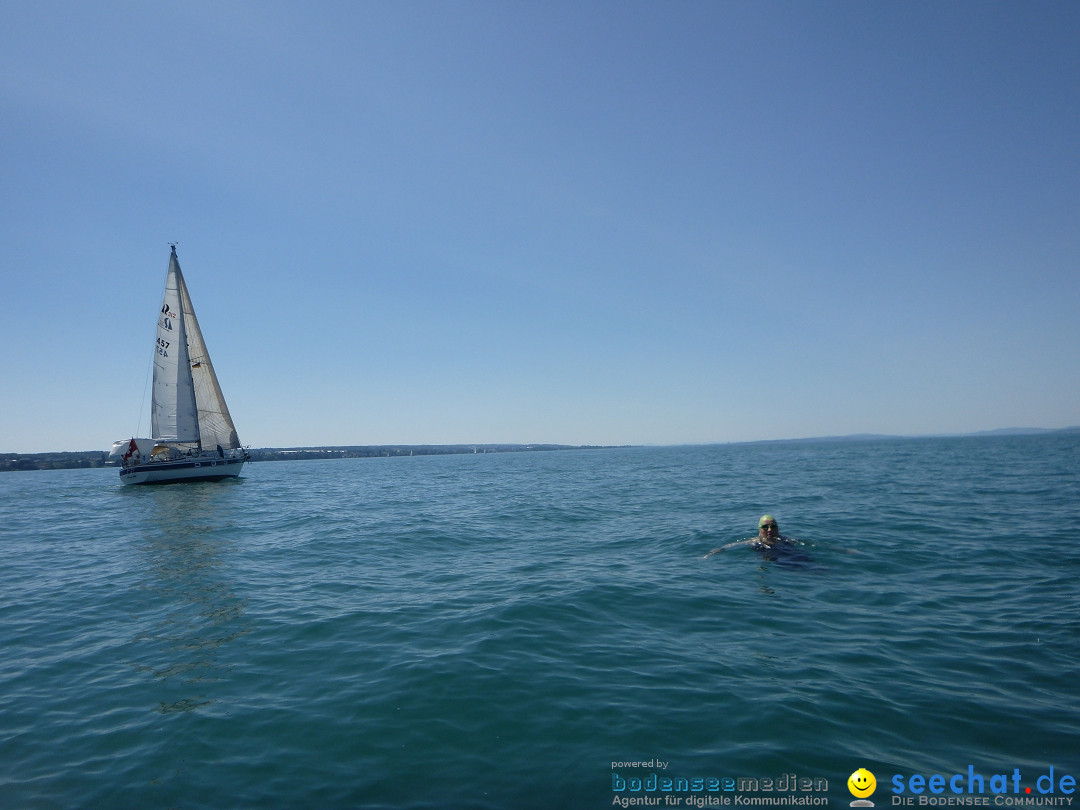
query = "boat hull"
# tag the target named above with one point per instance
(185, 470)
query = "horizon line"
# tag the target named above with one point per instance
(1013, 431)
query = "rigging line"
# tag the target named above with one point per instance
(146, 384)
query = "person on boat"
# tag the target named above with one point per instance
(768, 537)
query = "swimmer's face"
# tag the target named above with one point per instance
(861, 783)
(769, 529)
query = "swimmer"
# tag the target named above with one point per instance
(768, 533)
(768, 537)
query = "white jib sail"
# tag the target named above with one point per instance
(216, 427)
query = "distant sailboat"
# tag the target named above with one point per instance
(194, 438)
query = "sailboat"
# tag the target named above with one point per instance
(193, 436)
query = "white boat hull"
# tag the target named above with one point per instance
(171, 472)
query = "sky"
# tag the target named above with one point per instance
(562, 222)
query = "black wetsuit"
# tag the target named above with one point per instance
(783, 550)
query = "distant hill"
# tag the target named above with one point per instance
(865, 437)
(72, 460)
(1025, 431)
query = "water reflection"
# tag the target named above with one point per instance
(188, 536)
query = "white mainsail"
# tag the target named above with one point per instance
(187, 404)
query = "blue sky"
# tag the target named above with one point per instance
(583, 223)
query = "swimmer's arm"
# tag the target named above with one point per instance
(730, 545)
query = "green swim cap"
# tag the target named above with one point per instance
(766, 519)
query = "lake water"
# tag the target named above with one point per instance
(536, 630)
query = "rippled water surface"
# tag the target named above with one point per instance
(497, 630)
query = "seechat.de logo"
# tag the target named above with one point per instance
(862, 785)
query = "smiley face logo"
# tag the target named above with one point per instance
(861, 783)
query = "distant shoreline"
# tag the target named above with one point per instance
(88, 459)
